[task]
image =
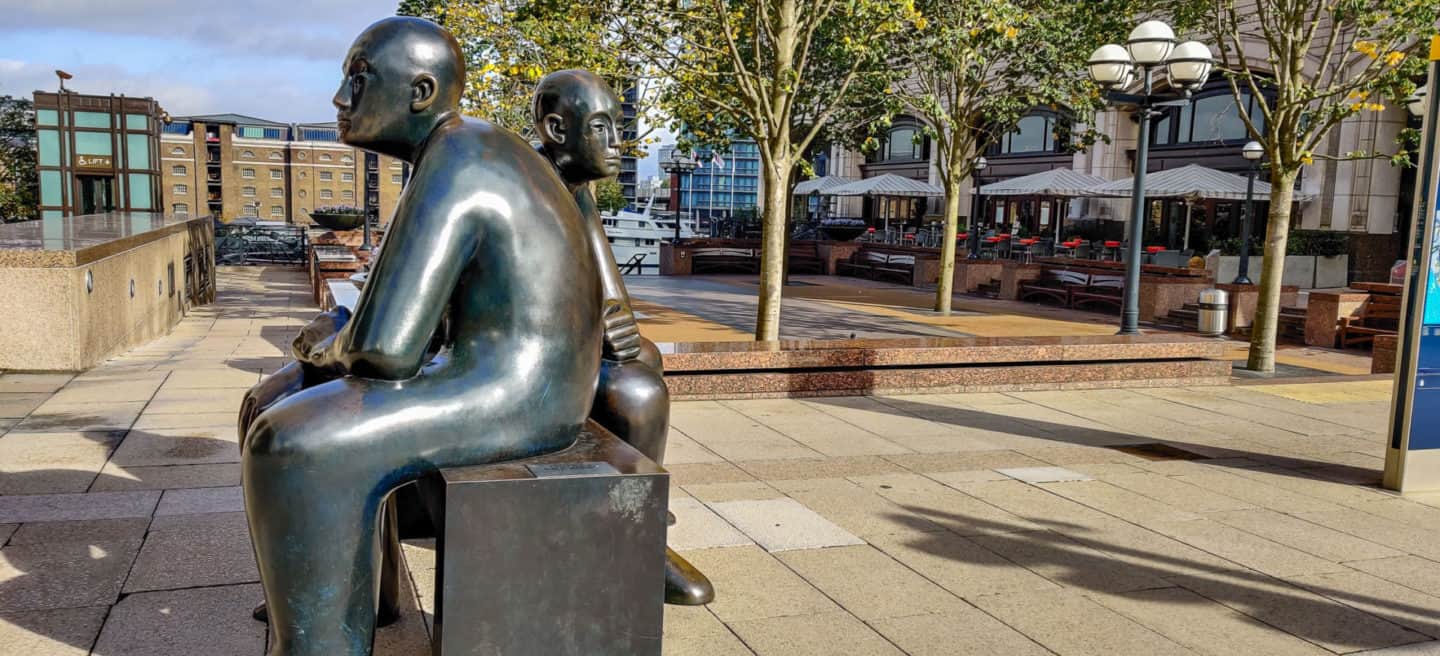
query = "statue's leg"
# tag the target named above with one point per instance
(313, 513)
(318, 466)
(632, 401)
(286, 381)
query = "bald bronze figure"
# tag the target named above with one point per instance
(578, 120)
(485, 234)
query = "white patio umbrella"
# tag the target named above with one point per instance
(1191, 183)
(820, 185)
(1060, 183)
(887, 185)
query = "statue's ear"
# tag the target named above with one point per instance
(553, 125)
(422, 92)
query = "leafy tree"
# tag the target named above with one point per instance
(978, 68)
(781, 72)
(609, 196)
(19, 181)
(510, 44)
(1311, 64)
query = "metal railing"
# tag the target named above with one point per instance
(259, 244)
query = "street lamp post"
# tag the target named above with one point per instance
(1151, 46)
(1252, 152)
(679, 165)
(974, 240)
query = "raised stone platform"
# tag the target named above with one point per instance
(719, 370)
(82, 288)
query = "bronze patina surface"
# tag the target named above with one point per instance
(484, 237)
(578, 119)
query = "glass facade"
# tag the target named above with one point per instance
(99, 120)
(137, 122)
(1214, 117)
(49, 145)
(137, 147)
(140, 191)
(717, 191)
(97, 153)
(93, 143)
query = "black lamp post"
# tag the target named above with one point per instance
(679, 165)
(974, 240)
(1151, 46)
(1252, 152)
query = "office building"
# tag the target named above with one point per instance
(97, 153)
(720, 189)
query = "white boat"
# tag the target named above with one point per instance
(635, 238)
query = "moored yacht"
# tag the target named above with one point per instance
(635, 238)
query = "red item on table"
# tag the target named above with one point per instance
(1112, 244)
(1154, 249)
(1003, 235)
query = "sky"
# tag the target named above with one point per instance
(275, 59)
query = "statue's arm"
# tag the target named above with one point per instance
(622, 331)
(430, 242)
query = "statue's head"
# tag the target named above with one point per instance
(578, 119)
(402, 75)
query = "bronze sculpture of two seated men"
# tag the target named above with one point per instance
(493, 323)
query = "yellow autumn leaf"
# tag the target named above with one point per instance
(1367, 48)
(1011, 32)
(1306, 159)
(1394, 58)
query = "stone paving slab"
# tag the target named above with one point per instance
(211, 621)
(783, 524)
(943, 553)
(62, 507)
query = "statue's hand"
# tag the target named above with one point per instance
(320, 329)
(622, 333)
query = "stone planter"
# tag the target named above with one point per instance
(1332, 272)
(1303, 271)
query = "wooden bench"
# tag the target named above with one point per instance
(1380, 315)
(1102, 289)
(805, 257)
(1056, 284)
(724, 259)
(877, 264)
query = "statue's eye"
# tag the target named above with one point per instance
(357, 82)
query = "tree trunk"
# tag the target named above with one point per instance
(1272, 272)
(774, 171)
(945, 289)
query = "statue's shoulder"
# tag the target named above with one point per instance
(472, 136)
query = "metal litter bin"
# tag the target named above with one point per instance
(1214, 312)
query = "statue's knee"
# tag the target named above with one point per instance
(270, 443)
(632, 385)
(650, 356)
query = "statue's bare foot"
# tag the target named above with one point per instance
(385, 617)
(685, 585)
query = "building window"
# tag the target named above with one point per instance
(247, 173)
(301, 155)
(325, 157)
(180, 189)
(177, 151)
(277, 192)
(247, 154)
(1037, 133)
(346, 159)
(248, 191)
(326, 176)
(347, 195)
(275, 156)
(178, 169)
(395, 179)
(277, 211)
(180, 208)
(1213, 118)
(898, 145)
(250, 210)
(347, 177)
(326, 194)
(275, 174)
(304, 175)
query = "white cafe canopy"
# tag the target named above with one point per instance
(887, 185)
(1191, 182)
(1055, 182)
(820, 185)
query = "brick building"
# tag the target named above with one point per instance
(231, 166)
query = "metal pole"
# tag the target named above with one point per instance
(679, 201)
(1130, 315)
(1243, 277)
(974, 240)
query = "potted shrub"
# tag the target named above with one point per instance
(842, 229)
(339, 218)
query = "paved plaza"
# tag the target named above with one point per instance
(1228, 520)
